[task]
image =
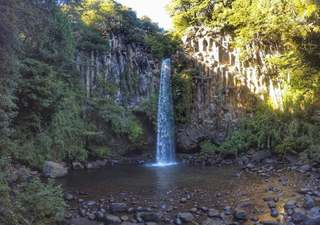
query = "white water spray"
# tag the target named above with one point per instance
(165, 136)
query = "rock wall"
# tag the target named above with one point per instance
(227, 87)
(133, 72)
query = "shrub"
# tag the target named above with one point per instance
(26, 201)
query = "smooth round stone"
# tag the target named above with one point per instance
(68, 196)
(183, 200)
(240, 214)
(267, 199)
(271, 205)
(91, 203)
(290, 205)
(112, 219)
(92, 216)
(185, 217)
(118, 207)
(255, 219)
(213, 213)
(274, 213)
(193, 210)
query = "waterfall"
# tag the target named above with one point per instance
(165, 135)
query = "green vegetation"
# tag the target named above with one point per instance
(45, 113)
(30, 202)
(292, 30)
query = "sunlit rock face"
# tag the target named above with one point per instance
(227, 87)
(127, 67)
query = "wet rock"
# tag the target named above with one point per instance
(77, 166)
(259, 155)
(255, 219)
(118, 207)
(68, 196)
(152, 216)
(298, 215)
(290, 205)
(313, 221)
(185, 217)
(53, 169)
(240, 214)
(112, 219)
(308, 203)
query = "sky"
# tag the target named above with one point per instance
(154, 9)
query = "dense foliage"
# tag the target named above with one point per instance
(45, 113)
(26, 200)
(292, 28)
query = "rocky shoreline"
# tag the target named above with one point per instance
(273, 207)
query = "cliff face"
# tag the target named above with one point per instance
(133, 72)
(227, 87)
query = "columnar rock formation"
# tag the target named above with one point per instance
(127, 66)
(227, 87)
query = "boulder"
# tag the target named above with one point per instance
(298, 215)
(259, 155)
(185, 217)
(118, 207)
(77, 166)
(240, 214)
(112, 219)
(313, 221)
(152, 216)
(53, 169)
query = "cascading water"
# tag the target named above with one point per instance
(165, 136)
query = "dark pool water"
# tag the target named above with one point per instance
(213, 187)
